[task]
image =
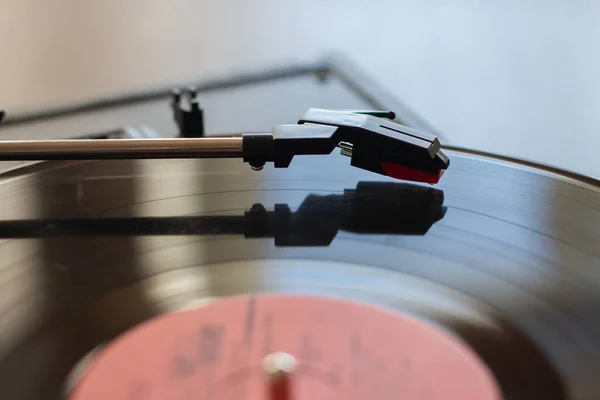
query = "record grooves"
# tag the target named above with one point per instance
(323, 278)
(502, 256)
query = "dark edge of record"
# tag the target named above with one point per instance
(40, 166)
(525, 163)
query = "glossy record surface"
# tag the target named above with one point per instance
(512, 267)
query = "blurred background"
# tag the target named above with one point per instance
(518, 78)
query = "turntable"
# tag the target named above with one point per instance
(139, 265)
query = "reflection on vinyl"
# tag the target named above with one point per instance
(371, 208)
(501, 257)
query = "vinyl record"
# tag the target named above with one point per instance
(502, 256)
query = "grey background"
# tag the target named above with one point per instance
(514, 77)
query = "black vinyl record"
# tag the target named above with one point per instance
(501, 254)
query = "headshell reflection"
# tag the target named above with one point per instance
(370, 208)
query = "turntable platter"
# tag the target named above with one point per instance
(509, 264)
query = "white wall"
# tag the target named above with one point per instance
(517, 77)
